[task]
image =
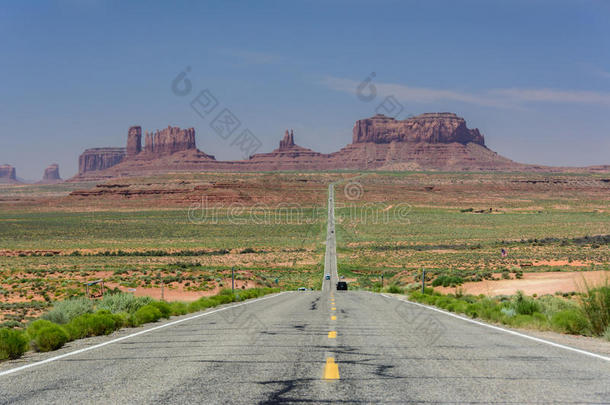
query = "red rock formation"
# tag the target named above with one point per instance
(97, 159)
(134, 141)
(434, 141)
(170, 140)
(148, 146)
(51, 174)
(8, 174)
(428, 128)
(288, 141)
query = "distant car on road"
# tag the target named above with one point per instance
(342, 285)
(327, 277)
(302, 289)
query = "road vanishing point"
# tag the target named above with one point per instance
(315, 347)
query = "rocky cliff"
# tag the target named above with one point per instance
(427, 128)
(432, 141)
(158, 144)
(134, 141)
(8, 174)
(169, 140)
(288, 141)
(97, 159)
(51, 174)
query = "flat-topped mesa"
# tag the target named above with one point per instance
(99, 159)
(169, 140)
(426, 128)
(8, 173)
(288, 141)
(51, 173)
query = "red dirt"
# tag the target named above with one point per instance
(534, 283)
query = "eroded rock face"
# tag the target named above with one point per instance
(432, 141)
(51, 173)
(99, 159)
(288, 141)
(7, 173)
(170, 140)
(428, 128)
(134, 141)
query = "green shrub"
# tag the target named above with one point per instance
(447, 281)
(200, 304)
(541, 321)
(64, 311)
(607, 334)
(146, 314)
(524, 305)
(163, 307)
(178, 308)
(123, 302)
(35, 326)
(596, 307)
(222, 299)
(393, 289)
(570, 321)
(225, 291)
(549, 304)
(13, 343)
(474, 310)
(99, 323)
(49, 338)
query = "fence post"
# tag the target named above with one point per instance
(423, 281)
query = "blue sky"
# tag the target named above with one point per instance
(533, 76)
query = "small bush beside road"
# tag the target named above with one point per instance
(585, 314)
(13, 343)
(79, 318)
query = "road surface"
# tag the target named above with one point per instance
(282, 348)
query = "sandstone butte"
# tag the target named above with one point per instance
(431, 141)
(8, 174)
(51, 175)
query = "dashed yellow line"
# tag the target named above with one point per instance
(333, 317)
(332, 334)
(331, 370)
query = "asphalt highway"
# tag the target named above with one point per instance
(323, 346)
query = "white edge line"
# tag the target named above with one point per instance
(512, 332)
(86, 349)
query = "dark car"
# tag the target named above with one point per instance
(342, 285)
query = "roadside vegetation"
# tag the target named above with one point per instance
(78, 318)
(585, 314)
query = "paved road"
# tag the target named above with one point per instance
(276, 350)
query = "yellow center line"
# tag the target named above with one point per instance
(333, 318)
(332, 334)
(331, 370)
(333, 309)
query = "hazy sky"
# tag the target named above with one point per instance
(533, 76)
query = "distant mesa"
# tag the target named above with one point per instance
(51, 175)
(157, 145)
(98, 159)
(428, 128)
(431, 141)
(8, 174)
